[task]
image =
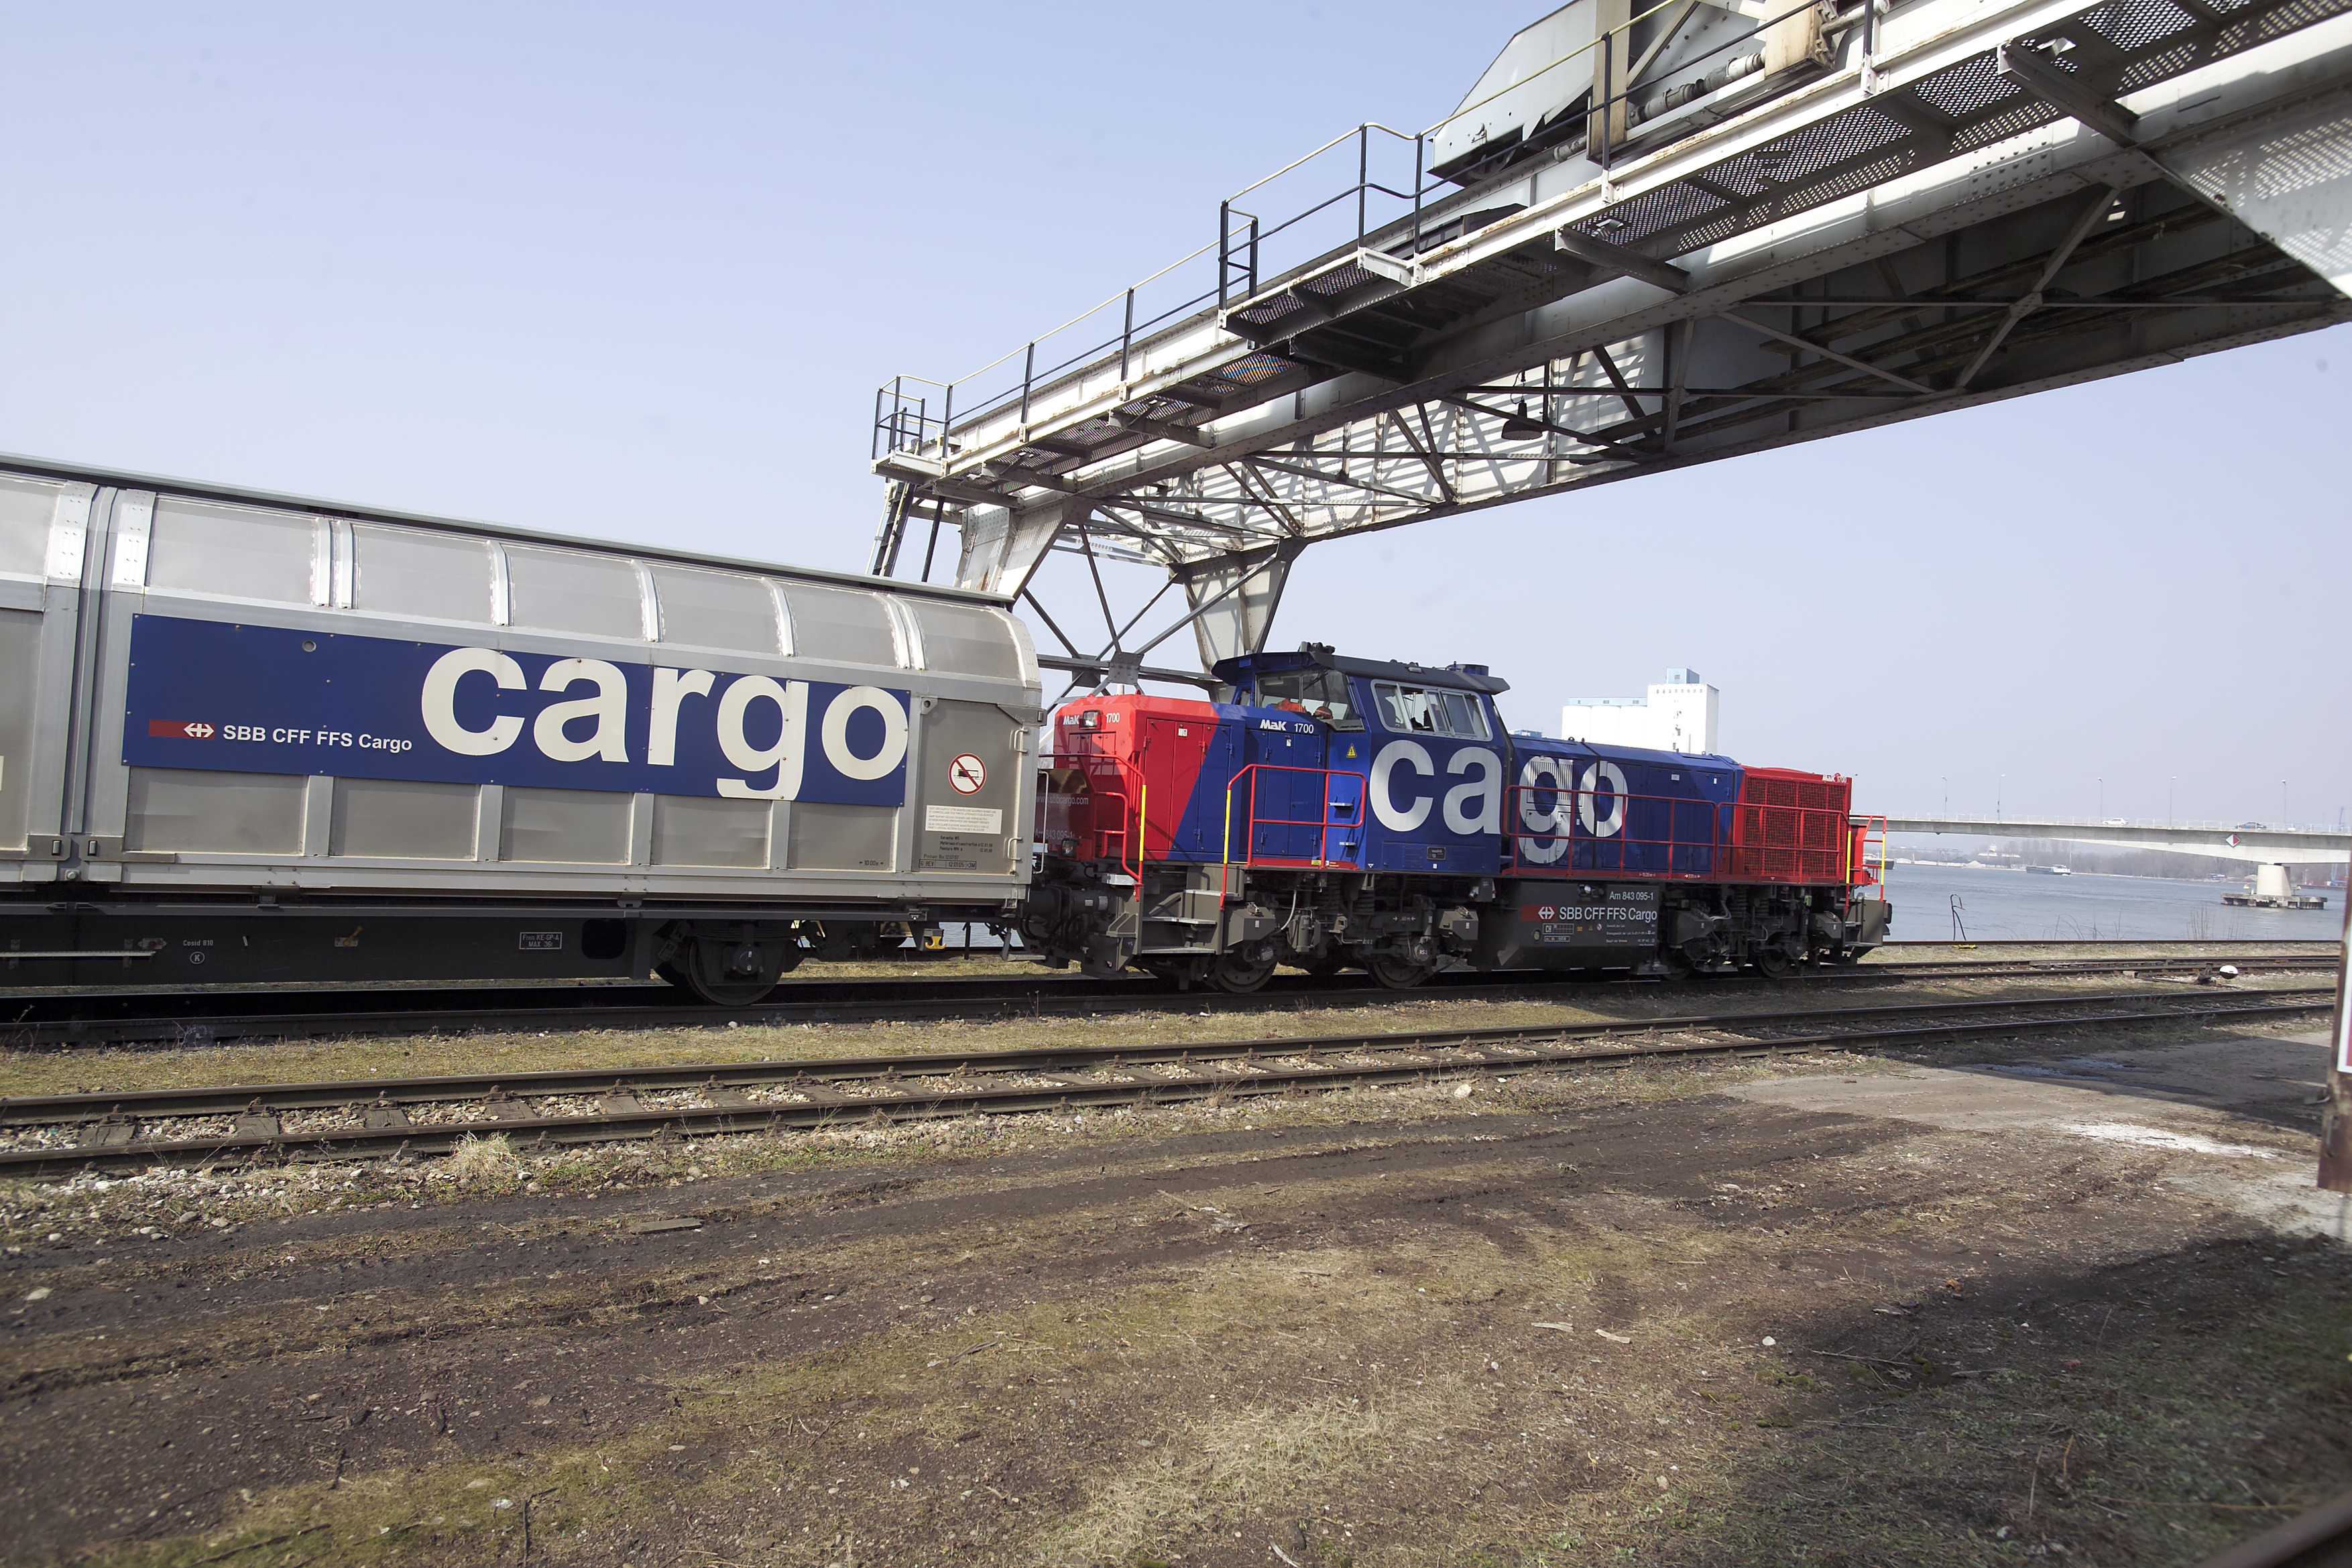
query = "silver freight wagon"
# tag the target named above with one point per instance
(250, 738)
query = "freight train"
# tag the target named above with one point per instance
(247, 737)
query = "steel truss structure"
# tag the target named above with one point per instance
(1987, 200)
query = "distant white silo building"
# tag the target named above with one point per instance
(1678, 715)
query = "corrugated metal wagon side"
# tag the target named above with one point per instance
(249, 737)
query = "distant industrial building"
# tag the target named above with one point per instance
(1678, 715)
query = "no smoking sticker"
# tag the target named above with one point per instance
(967, 773)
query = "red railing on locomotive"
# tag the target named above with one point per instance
(1162, 745)
(1093, 742)
(1541, 816)
(1091, 800)
(1334, 838)
(1861, 869)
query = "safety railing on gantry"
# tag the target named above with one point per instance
(1392, 204)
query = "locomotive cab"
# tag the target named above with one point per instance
(1320, 693)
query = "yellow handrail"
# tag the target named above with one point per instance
(1226, 846)
(1142, 845)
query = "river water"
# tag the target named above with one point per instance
(2083, 908)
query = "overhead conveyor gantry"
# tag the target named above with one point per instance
(1871, 216)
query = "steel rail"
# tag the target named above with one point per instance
(921, 1087)
(163, 1018)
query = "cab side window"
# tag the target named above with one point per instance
(1318, 694)
(1412, 710)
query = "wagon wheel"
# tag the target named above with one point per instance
(1398, 974)
(709, 967)
(1231, 971)
(717, 993)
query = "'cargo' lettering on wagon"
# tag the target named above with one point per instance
(390, 708)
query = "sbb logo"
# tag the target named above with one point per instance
(200, 731)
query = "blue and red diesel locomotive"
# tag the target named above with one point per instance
(1346, 811)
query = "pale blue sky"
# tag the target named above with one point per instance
(635, 274)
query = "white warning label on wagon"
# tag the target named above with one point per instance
(962, 819)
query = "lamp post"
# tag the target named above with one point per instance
(2001, 783)
(2103, 800)
(2168, 786)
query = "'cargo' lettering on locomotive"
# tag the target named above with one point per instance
(1476, 807)
(1415, 756)
(1541, 776)
(1609, 777)
(1485, 793)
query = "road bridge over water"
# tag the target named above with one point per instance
(1757, 221)
(2270, 850)
(2251, 843)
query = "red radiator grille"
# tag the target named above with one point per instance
(1789, 827)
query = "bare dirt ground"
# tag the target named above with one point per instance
(2074, 1300)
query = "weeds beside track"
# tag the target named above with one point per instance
(56, 1135)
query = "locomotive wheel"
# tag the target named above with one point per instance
(1398, 974)
(1775, 965)
(1677, 963)
(1230, 971)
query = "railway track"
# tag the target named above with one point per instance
(53, 1135)
(50, 1021)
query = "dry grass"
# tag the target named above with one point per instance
(1284, 1460)
(262, 1063)
(485, 1165)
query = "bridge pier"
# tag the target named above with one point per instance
(2272, 890)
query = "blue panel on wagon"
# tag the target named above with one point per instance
(263, 699)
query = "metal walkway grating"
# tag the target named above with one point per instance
(2117, 48)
